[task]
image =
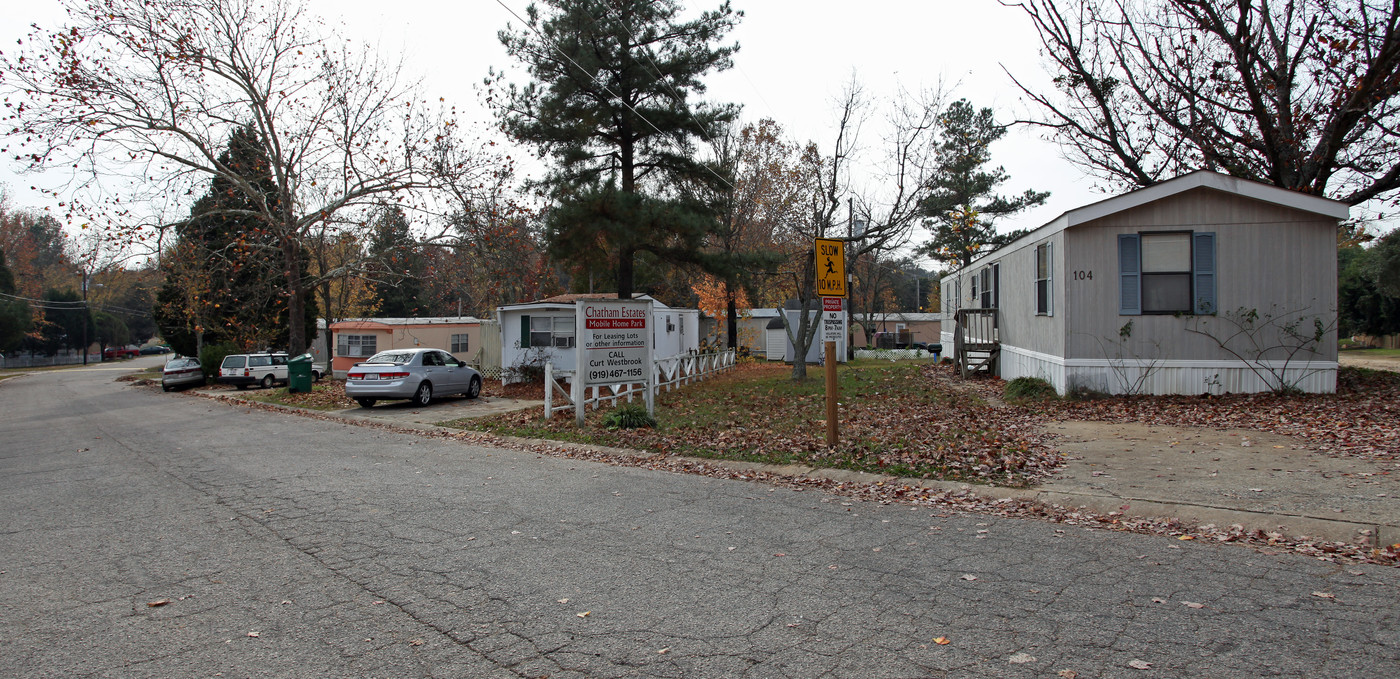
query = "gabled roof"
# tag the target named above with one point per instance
(570, 301)
(1207, 179)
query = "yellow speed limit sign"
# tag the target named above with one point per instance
(831, 268)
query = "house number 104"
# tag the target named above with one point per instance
(1083, 275)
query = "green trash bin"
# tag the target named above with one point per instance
(299, 374)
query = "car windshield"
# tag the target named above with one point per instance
(394, 357)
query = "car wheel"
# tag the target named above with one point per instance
(165, 387)
(365, 402)
(316, 375)
(474, 389)
(424, 395)
(267, 382)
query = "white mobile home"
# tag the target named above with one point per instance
(535, 332)
(1142, 293)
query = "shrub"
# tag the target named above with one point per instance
(630, 416)
(213, 356)
(1025, 389)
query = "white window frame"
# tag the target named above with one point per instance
(344, 342)
(461, 342)
(1048, 280)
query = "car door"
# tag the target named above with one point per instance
(445, 372)
(458, 373)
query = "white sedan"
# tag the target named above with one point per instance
(418, 374)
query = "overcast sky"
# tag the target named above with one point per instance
(795, 58)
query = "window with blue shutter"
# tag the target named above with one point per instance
(1167, 272)
(1129, 275)
(1203, 271)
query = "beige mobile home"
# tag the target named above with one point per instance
(1185, 287)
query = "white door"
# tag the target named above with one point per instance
(777, 344)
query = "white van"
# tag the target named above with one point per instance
(242, 370)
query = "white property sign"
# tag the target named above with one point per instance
(833, 326)
(614, 347)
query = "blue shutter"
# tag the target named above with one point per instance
(1203, 271)
(524, 332)
(1129, 275)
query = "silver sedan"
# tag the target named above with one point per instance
(418, 374)
(181, 372)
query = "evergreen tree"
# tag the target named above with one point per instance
(236, 260)
(15, 316)
(962, 207)
(610, 104)
(398, 264)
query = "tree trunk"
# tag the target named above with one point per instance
(296, 298)
(624, 272)
(731, 323)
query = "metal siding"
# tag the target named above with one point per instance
(1268, 257)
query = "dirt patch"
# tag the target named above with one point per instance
(1223, 469)
(1391, 363)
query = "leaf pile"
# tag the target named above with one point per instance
(898, 419)
(1361, 420)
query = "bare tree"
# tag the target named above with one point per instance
(148, 90)
(834, 194)
(1301, 94)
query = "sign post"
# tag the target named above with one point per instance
(831, 285)
(614, 347)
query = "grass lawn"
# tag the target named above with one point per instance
(906, 418)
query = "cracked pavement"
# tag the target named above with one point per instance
(278, 546)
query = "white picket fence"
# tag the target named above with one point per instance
(670, 373)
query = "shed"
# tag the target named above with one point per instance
(1143, 292)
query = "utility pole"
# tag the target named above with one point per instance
(86, 315)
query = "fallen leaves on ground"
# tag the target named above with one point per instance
(898, 419)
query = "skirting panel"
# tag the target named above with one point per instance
(1166, 377)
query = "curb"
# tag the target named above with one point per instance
(1289, 525)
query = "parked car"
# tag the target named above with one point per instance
(114, 353)
(417, 374)
(181, 372)
(242, 370)
(155, 349)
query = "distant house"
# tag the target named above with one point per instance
(358, 339)
(897, 328)
(1106, 296)
(545, 330)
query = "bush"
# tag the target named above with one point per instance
(1027, 389)
(630, 416)
(213, 356)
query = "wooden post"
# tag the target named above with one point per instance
(831, 394)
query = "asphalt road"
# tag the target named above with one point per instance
(289, 547)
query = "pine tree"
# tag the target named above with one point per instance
(15, 316)
(237, 260)
(399, 266)
(962, 208)
(610, 103)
